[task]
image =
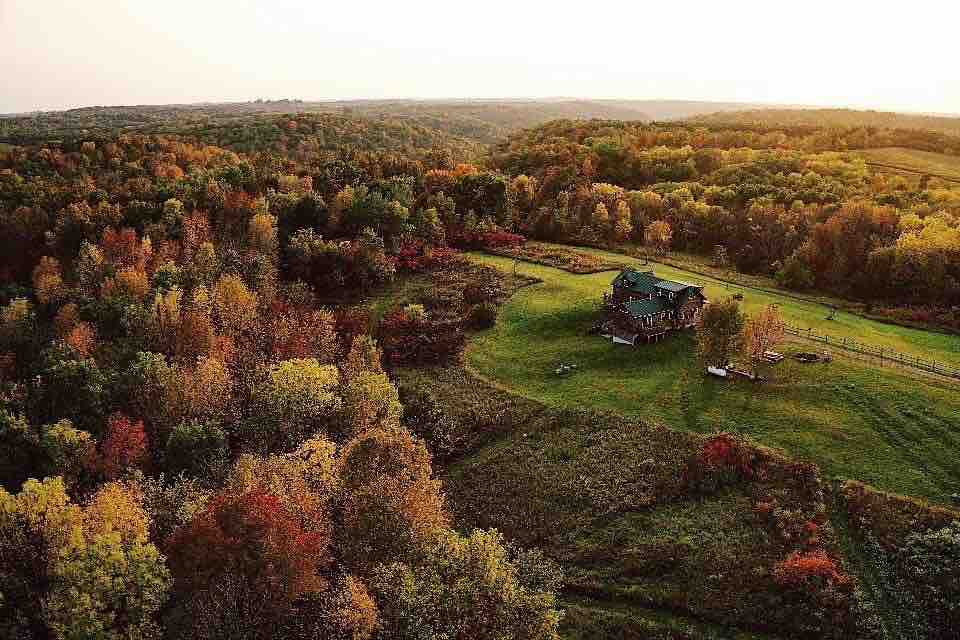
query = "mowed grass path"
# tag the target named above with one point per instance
(856, 421)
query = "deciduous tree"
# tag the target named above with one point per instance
(464, 587)
(720, 332)
(761, 333)
(392, 505)
(658, 235)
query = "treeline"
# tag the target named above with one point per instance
(191, 445)
(831, 118)
(293, 135)
(814, 220)
(361, 124)
(303, 136)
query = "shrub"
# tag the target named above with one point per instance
(414, 340)
(811, 580)
(930, 564)
(723, 459)
(477, 293)
(414, 256)
(499, 238)
(811, 568)
(426, 419)
(483, 316)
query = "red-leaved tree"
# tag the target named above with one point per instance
(124, 446)
(245, 558)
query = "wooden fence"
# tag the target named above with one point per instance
(883, 354)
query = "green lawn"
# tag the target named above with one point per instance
(886, 428)
(931, 345)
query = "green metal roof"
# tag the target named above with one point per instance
(641, 308)
(638, 281)
(673, 286)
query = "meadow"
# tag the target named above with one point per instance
(914, 161)
(605, 496)
(890, 429)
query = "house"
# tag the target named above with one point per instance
(643, 306)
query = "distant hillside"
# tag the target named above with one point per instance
(105, 121)
(832, 118)
(479, 121)
(463, 127)
(491, 121)
(305, 134)
(681, 109)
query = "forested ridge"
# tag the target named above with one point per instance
(201, 432)
(482, 122)
(848, 118)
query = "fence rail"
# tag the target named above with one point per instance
(881, 353)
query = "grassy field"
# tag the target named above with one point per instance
(912, 160)
(853, 419)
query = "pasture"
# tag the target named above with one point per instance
(898, 159)
(855, 420)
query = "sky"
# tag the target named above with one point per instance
(852, 53)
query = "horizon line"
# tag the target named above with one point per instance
(760, 104)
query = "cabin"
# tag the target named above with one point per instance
(642, 307)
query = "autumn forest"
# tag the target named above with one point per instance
(237, 397)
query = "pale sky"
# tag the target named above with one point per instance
(866, 54)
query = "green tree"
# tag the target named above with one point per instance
(720, 332)
(19, 450)
(72, 573)
(296, 399)
(110, 588)
(69, 452)
(463, 587)
(370, 399)
(194, 447)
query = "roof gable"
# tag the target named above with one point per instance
(637, 281)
